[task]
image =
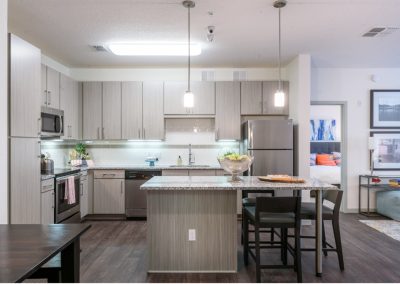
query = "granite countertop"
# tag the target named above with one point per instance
(223, 183)
(156, 167)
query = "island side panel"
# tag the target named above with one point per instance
(170, 215)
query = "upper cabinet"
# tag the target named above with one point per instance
(111, 110)
(92, 110)
(227, 117)
(204, 98)
(269, 90)
(50, 87)
(132, 110)
(251, 98)
(153, 115)
(25, 99)
(69, 103)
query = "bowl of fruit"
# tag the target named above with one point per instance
(235, 164)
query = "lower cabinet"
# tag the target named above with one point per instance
(84, 191)
(109, 196)
(47, 207)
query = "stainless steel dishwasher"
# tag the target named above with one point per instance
(135, 199)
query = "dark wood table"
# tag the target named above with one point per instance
(25, 248)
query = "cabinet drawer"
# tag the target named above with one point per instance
(175, 172)
(47, 185)
(109, 174)
(201, 172)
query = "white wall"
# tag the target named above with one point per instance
(353, 86)
(3, 115)
(328, 112)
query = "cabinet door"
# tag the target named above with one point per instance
(25, 95)
(47, 207)
(251, 98)
(269, 90)
(44, 85)
(175, 172)
(92, 110)
(67, 104)
(153, 113)
(173, 98)
(132, 110)
(227, 117)
(201, 172)
(204, 97)
(111, 110)
(75, 102)
(53, 88)
(109, 196)
(84, 191)
(25, 184)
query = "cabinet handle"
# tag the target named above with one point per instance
(81, 188)
(139, 133)
(39, 126)
(39, 155)
(217, 134)
(98, 132)
(144, 133)
(103, 133)
(45, 97)
(122, 185)
(53, 201)
(49, 97)
(108, 175)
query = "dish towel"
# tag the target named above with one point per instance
(70, 191)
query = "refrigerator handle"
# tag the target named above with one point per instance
(250, 153)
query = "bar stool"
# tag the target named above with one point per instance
(273, 212)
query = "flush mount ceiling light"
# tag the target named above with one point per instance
(154, 49)
(188, 97)
(279, 98)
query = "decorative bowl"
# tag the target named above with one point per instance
(236, 167)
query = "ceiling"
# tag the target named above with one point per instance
(245, 35)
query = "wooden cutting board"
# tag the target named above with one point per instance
(287, 179)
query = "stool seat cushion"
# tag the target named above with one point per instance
(271, 218)
(308, 211)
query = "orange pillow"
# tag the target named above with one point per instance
(325, 160)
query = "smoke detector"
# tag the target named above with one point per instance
(380, 31)
(210, 33)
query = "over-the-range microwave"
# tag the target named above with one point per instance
(52, 122)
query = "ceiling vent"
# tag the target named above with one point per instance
(239, 76)
(380, 31)
(99, 48)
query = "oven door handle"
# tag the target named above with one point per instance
(66, 177)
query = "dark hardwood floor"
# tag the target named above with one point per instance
(115, 251)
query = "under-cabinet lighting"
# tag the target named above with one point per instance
(154, 49)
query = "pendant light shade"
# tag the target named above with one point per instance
(279, 98)
(188, 97)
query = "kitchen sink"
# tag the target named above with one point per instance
(189, 166)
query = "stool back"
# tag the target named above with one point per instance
(286, 204)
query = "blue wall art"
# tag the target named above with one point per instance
(323, 129)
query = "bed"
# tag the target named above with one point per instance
(329, 174)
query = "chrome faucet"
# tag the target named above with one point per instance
(191, 155)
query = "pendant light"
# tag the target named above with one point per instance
(188, 97)
(279, 97)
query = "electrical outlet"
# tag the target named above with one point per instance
(192, 234)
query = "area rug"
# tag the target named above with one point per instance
(390, 228)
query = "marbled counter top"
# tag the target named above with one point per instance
(223, 183)
(147, 167)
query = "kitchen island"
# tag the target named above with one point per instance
(192, 221)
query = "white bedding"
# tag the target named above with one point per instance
(329, 174)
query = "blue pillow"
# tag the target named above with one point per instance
(313, 159)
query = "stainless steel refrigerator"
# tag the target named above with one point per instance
(270, 142)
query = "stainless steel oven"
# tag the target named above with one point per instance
(52, 122)
(64, 208)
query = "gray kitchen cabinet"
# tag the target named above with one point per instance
(84, 192)
(227, 116)
(50, 87)
(92, 110)
(109, 196)
(269, 90)
(69, 103)
(111, 110)
(25, 99)
(47, 207)
(153, 111)
(201, 172)
(204, 98)
(25, 183)
(177, 172)
(132, 110)
(251, 98)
